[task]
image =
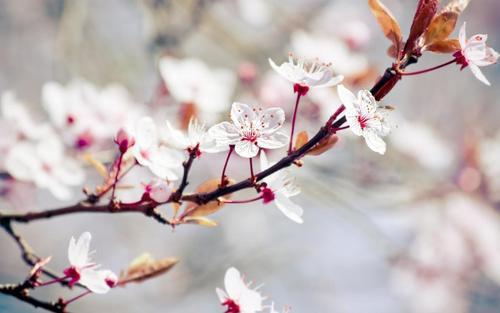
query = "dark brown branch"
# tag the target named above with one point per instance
(193, 153)
(21, 292)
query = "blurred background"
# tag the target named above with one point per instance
(416, 230)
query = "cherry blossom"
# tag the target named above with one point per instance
(159, 190)
(197, 136)
(83, 270)
(238, 297)
(365, 118)
(307, 73)
(252, 128)
(162, 161)
(475, 54)
(45, 164)
(85, 114)
(283, 186)
(191, 81)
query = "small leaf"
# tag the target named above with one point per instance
(387, 22)
(199, 220)
(100, 168)
(441, 27)
(456, 6)
(324, 145)
(424, 14)
(302, 139)
(35, 270)
(211, 207)
(444, 46)
(144, 267)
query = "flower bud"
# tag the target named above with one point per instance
(267, 195)
(159, 191)
(124, 140)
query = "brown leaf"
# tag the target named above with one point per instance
(424, 14)
(144, 267)
(324, 145)
(187, 111)
(199, 220)
(302, 139)
(441, 27)
(35, 270)
(456, 6)
(444, 46)
(387, 22)
(211, 207)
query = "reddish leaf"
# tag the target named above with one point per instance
(426, 10)
(444, 46)
(387, 22)
(441, 27)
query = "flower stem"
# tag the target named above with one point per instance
(241, 201)
(293, 122)
(252, 175)
(427, 70)
(231, 148)
(77, 297)
(118, 168)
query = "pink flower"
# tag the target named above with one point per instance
(475, 54)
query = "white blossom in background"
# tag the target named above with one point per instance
(283, 185)
(256, 12)
(252, 128)
(45, 164)
(192, 81)
(329, 49)
(83, 270)
(87, 115)
(159, 190)
(197, 135)
(489, 151)
(365, 118)
(238, 296)
(456, 240)
(164, 162)
(475, 54)
(310, 73)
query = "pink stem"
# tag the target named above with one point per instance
(242, 201)
(293, 122)
(251, 169)
(427, 70)
(231, 148)
(77, 297)
(118, 168)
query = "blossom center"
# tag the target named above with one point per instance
(461, 59)
(73, 274)
(232, 307)
(267, 195)
(363, 121)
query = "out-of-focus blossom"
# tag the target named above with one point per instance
(489, 151)
(191, 81)
(256, 12)
(85, 114)
(283, 186)
(324, 100)
(83, 270)
(159, 190)
(310, 73)
(455, 240)
(197, 136)
(45, 164)
(365, 118)
(239, 297)
(162, 161)
(273, 90)
(475, 54)
(329, 49)
(252, 128)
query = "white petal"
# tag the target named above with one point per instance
(246, 149)
(289, 208)
(367, 103)
(275, 141)
(462, 36)
(490, 58)
(161, 192)
(479, 74)
(21, 161)
(374, 142)
(221, 294)
(242, 115)
(270, 120)
(146, 135)
(335, 80)
(347, 98)
(94, 280)
(224, 133)
(250, 301)
(353, 122)
(175, 137)
(234, 284)
(78, 252)
(264, 163)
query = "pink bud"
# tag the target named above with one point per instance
(300, 89)
(267, 195)
(158, 191)
(124, 140)
(111, 280)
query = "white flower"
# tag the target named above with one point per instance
(252, 129)
(191, 81)
(86, 114)
(45, 164)
(307, 73)
(283, 186)
(475, 53)
(83, 270)
(162, 161)
(365, 118)
(159, 190)
(197, 135)
(238, 297)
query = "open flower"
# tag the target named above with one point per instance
(238, 297)
(162, 161)
(45, 164)
(197, 136)
(475, 54)
(83, 270)
(252, 129)
(307, 73)
(283, 187)
(365, 118)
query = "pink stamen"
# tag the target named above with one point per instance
(232, 307)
